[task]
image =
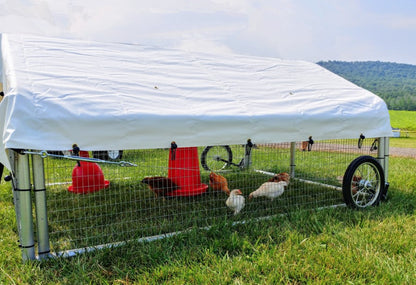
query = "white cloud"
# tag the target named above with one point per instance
(203, 45)
(303, 29)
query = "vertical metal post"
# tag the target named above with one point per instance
(292, 158)
(383, 155)
(383, 158)
(23, 205)
(386, 157)
(40, 206)
(380, 152)
(247, 154)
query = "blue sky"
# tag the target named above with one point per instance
(312, 30)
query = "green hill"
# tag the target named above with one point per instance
(394, 82)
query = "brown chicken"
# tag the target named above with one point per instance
(284, 176)
(354, 183)
(160, 185)
(304, 145)
(218, 183)
(307, 145)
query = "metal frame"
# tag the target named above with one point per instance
(383, 155)
(39, 189)
(22, 194)
(292, 159)
(22, 197)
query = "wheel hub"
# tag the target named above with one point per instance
(365, 184)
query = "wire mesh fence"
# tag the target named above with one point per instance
(183, 194)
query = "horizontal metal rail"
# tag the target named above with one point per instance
(45, 154)
(303, 180)
(74, 252)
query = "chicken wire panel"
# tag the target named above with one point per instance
(125, 208)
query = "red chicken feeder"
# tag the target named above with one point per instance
(184, 171)
(87, 178)
(84, 153)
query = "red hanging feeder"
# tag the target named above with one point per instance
(184, 171)
(87, 177)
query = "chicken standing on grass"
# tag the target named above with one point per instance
(236, 201)
(284, 176)
(269, 189)
(354, 183)
(160, 185)
(218, 183)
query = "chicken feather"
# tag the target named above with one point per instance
(236, 201)
(218, 183)
(160, 185)
(284, 176)
(269, 189)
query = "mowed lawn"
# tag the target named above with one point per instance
(331, 246)
(406, 122)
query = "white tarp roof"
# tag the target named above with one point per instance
(122, 96)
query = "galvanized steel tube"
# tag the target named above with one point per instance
(23, 205)
(40, 206)
(292, 158)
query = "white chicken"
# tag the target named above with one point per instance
(236, 201)
(269, 189)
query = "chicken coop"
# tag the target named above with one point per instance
(106, 143)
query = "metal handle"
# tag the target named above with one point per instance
(44, 154)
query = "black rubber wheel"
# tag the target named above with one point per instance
(108, 154)
(215, 158)
(363, 183)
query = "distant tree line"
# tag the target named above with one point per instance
(394, 82)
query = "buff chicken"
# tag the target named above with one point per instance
(218, 183)
(160, 185)
(270, 190)
(236, 201)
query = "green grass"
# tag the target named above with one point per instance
(407, 140)
(405, 120)
(330, 246)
